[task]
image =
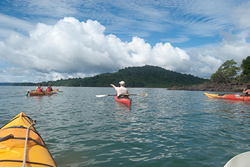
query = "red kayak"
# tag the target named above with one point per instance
(123, 100)
(228, 96)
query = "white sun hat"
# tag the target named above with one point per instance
(122, 83)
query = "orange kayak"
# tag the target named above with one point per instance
(41, 93)
(15, 148)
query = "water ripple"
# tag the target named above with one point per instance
(167, 128)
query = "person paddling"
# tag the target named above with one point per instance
(122, 92)
(40, 88)
(49, 88)
(247, 91)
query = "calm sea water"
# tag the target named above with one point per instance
(166, 128)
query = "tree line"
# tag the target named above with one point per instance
(146, 76)
(229, 72)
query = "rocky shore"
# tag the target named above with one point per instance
(212, 86)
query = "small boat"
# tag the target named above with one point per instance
(21, 144)
(123, 100)
(42, 93)
(228, 96)
(240, 160)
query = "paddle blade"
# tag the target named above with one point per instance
(100, 95)
(143, 94)
(57, 92)
(29, 90)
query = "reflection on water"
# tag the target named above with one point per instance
(230, 108)
(122, 112)
(166, 128)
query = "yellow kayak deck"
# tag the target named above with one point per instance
(12, 145)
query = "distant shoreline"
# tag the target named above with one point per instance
(214, 87)
(6, 84)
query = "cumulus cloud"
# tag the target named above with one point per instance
(76, 47)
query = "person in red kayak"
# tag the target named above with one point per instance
(247, 91)
(40, 88)
(49, 88)
(122, 92)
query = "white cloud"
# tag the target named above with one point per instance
(207, 59)
(202, 18)
(71, 46)
(241, 15)
(169, 57)
(13, 74)
(55, 8)
(12, 25)
(14, 22)
(137, 18)
(176, 40)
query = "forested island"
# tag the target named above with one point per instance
(145, 76)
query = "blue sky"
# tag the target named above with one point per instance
(53, 39)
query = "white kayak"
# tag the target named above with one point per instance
(241, 160)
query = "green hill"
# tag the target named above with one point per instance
(146, 76)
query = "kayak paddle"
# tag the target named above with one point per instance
(29, 90)
(60, 91)
(35, 90)
(142, 94)
(57, 91)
